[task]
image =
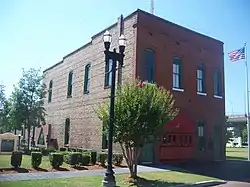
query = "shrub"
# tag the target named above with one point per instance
(16, 159)
(73, 158)
(35, 149)
(62, 149)
(117, 159)
(93, 156)
(47, 151)
(85, 160)
(56, 159)
(72, 149)
(102, 158)
(26, 151)
(36, 159)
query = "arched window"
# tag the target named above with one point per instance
(108, 73)
(86, 79)
(50, 91)
(201, 78)
(177, 73)
(67, 131)
(70, 84)
(217, 82)
(148, 66)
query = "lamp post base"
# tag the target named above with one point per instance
(109, 181)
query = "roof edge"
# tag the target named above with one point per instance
(185, 28)
(89, 43)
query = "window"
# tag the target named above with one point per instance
(104, 138)
(50, 91)
(217, 83)
(201, 79)
(148, 66)
(41, 138)
(108, 73)
(70, 79)
(86, 79)
(66, 132)
(201, 137)
(200, 129)
(177, 79)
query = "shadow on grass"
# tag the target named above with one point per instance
(18, 170)
(142, 182)
(80, 168)
(229, 170)
(40, 169)
(61, 169)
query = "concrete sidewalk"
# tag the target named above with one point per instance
(71, 174)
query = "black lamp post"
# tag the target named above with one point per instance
(109, 178)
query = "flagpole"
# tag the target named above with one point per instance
(247, 103)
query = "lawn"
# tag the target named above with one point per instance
(157, 179)
(234, 153)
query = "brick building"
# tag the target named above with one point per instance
(186, 62)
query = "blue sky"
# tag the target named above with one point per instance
(39, 33)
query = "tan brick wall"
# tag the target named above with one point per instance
(85, 127)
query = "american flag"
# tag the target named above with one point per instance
(237, 54)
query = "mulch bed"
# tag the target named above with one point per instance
(33, 170)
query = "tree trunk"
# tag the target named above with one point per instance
(28, 137)
(131, 155)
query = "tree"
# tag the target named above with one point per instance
(2, 96)
(228, 135)
(244, 134)
(27, 99)
(2, 108)
(141, 111)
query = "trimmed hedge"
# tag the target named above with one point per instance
(102, 158)
(56, 159)
(36, 159)
(73, 158)
(85, 160)
(93, 157)
(117, 159)
(62, 149)
(16, 159)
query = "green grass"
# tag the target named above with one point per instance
(26, 162)
(234, 153)
(157, 179)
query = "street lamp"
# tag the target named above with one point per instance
(109, 178)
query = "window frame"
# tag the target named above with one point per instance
(177, 62)
(148, 65)
(217, 83)
(70, 84)
(201, 80)
(67, 131)
(50, 91)
(86, 86)
(108, 73)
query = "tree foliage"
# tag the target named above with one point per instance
(141, 111)
(3, 108)
(244, 133)
(2, 96)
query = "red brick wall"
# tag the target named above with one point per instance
(162, 37)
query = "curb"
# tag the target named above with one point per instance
(203, 183)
